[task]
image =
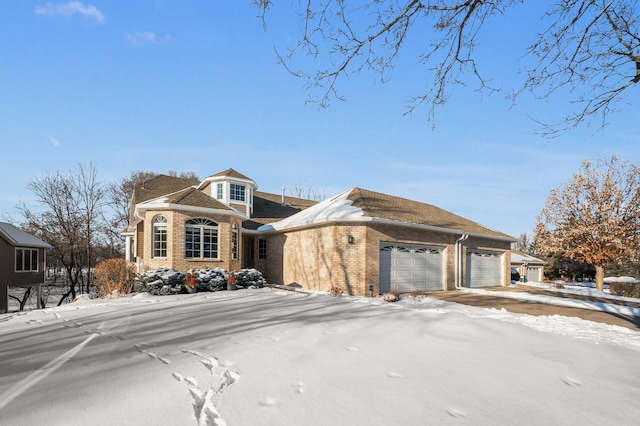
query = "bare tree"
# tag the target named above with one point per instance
(522, 244)
(307, 192)
(69, 221)
(595, 218)
(589, 47)
(120, 193)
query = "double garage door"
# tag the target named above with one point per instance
(408, 268)
(484, 268)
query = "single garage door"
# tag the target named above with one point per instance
(484, 268)
(408, 268)
(534, 273)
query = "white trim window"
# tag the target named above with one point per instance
(200, 239)
(234, 241)
(219, 191)
(236, 192)
(159, 236)
(26, 260)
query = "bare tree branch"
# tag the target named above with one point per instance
(587, 53)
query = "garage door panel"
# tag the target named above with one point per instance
(407, 268)
(404, 261)
(484, 268)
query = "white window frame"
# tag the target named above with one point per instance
(237, 192)
(219, 191)
(196, 233)
(159, 245)
(27, 261)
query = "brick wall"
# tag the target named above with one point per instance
(175, 242)
(322, 257)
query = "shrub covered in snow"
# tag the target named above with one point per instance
(164, 281)
(159, 282)
(210, 279)
(391, 296)
(249, 278)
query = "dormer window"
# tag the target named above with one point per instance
(236, 192)
(219, 191)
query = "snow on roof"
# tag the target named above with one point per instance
(358, 205)
(17, 237)
(519, 257)
(338, 208)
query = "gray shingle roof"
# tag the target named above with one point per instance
(268, 208)
(17, 237)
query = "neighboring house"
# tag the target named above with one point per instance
(528, 266)
(22, 262)
(361, 241)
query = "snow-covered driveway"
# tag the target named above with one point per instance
(269, 357)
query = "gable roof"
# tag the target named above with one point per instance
(17, 237)
(361, 205)
(190, 199)
(160, 185)
(231, 173)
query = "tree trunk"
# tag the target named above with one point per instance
(599, 277)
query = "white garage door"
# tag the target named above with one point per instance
(411, 268)
(484, 268)
(534, 273)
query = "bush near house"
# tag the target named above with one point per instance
(165, 281)
(112, 277)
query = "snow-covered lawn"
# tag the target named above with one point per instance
(272, 357)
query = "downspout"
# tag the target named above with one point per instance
(458, 260)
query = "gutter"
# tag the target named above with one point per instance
(459, 260)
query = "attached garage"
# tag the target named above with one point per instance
(408, 268)
(484, 268)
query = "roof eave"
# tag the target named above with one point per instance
(388, 222)
(169, 206)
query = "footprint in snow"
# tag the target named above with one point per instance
(158, 357)
(140, 346)
(268, 401)
(210, 362)
(395, 375)
(191, 381)
(571, 381)
(454, 412)
(299, 387)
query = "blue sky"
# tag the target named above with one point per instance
(196, 86)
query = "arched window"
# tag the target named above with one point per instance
(159, 236)
(234, 242)
(200, 239)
